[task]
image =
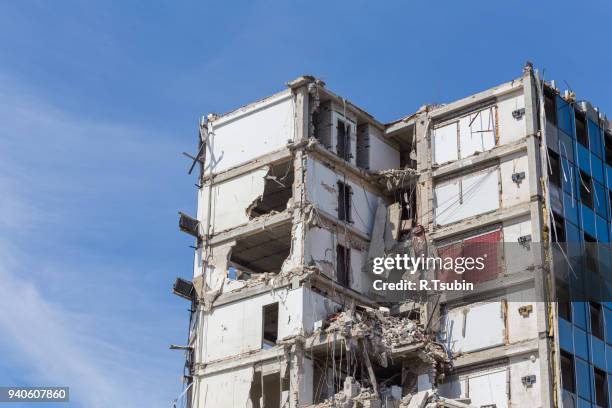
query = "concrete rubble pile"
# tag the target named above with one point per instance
(394, 178)
(353, 395)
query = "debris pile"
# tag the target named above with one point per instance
(355, 396)
(375, 325)
(395, 178)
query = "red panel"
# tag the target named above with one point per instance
(450, 251)
(487, 246)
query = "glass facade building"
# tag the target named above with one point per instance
(580, 185)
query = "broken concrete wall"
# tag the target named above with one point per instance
(270, 122)
(236, 328)
(230, 200)
(317, 307)
(322, 191)
(321, 251)
(225, 389)
(329, 115)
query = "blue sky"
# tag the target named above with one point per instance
(97, 100)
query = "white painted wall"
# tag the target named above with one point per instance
(445, 143)
(352, 134)
(382, 155)
(517, 258)
(477, 132)
(320, 250)
(466, 196)
(464, 136)
(226, 389)
(250, 132)
(230, 200)
(522, 328)
(316, 307)
(489, 388)
(489, 385)
(322, 191)
(521, 395)
(236, 328)
(509, 128)
(474, 327)
(513, 193)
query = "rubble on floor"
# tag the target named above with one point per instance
(268, 278)
(395, 178)
(383, 330)
(355, 396)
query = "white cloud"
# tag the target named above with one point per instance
(62, 180)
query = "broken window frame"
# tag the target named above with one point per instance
(267, 342)
(554, 171)
(362, 148)
(582, 134)
(564, 305)
(596, 320)
(472, 116)
(568, 372)
(343, 265)
(558, 232)
(345, 197)
(343, 149)
(586, 189)
(608, 147)
(590, 253)
(600, 382)
(550, 107)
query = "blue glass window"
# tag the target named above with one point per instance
(565, 117)
(597, 169)
(594, 138)
(583, 379)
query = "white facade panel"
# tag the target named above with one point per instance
(444, 142)
(352, 135)
(467, 196)
(489, 389)
(514, 193)
(322, 191)
(520, 394)
(382, 155)
(509, 127)
(230, 200)
(474, 327)
(518, 257)
(236, 328)
(477, 132)
(258, 129)
(227, 389)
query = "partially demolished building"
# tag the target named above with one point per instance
(300, 191)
